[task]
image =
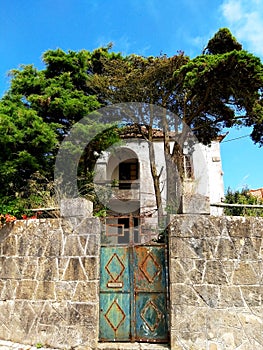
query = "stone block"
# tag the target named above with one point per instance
(252, 296)
(92, 245)
(213, 346)
(75, 271)
(91, 267)
(192, 269)
(196, 226)
(182, 294)
(86, 292)
(67, 337)
(26, 289)
(76, 207)
(83, 314)
(238, 226)
(28, 317)
(225, 249)
(256, 227)
(32, 243)
(230, 297)
(22, 245)
(252, 326)
(8, 289)
(186, 340)
(65, 290)
(177, 273)
(89, 226)
(49, 336)
(47, 269)
(7, 230)
(210, 294)
(28, 267)
(245, 274)
(214, 273)
(54, 314)
(9, 268)
(9, 246)
(53, 246)
(195, 204)
(73, 246)
(45, 290)
(181, 248)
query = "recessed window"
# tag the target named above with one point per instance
(128, 172)
(188, 167)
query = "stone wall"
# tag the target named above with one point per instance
(216, 283)
(49, 282)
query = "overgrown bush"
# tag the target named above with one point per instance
(242, 197)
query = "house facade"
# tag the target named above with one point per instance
(124, 172)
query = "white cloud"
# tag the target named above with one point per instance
(243, 183)
(232, 11)
(245, 20)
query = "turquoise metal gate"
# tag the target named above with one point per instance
(133, 293)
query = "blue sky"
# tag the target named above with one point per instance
(146, 27)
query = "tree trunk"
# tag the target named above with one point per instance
(155, 175)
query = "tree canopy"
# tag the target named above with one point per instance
(38, 111)
(218, 89)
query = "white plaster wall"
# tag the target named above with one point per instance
(140, 147)
(216, 177)
(208, 175)
(201, 170)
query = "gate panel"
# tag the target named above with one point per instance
(151, 318)
(150, 275)
(133, 294)
(115, 312)
(150, 293)
(115, 316)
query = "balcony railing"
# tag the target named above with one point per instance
(122, 189)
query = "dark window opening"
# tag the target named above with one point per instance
(131, 230)
(128, 172)
(188, 167)
(126, 230)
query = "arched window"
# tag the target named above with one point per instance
(123, 168)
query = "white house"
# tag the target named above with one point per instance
(124, 181)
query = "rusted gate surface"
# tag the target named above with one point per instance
(133, 293)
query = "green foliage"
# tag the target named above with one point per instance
(36, 114)
(39, 192)
(12, 207)
(242, 197)
(222, 42)
(27, 145)
(221, 91)
(220, 88)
